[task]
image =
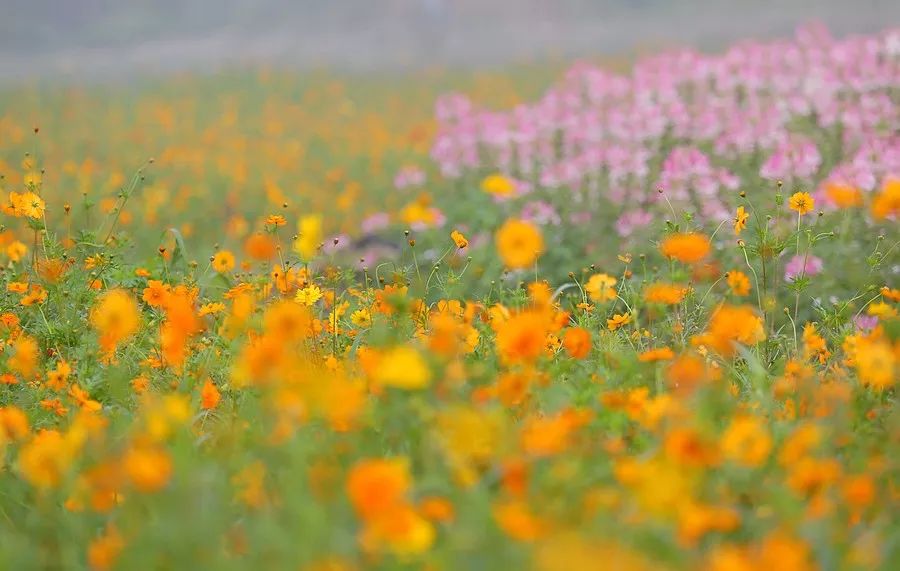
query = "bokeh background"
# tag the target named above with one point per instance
(79, 39)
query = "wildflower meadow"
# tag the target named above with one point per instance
(623, 315)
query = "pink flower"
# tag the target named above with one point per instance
(375, 222)
(795, 267)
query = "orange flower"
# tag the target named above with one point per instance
(577, 342)
(378, 485)
(551, 435)
(25, 356)
(156, 293)
(209, 395)
(618, 321)
(36, 296)
(275, 220)
(738, 282)
(148, 468)
(746, 441)
(687, 248)
(729, 325)
(115, 317)
(843, 195)
(436, 508)
(652, 355)
(519, 244)
(13, 424)
(458, 238)
(44, 460)
(687, 372)
(105, 549)
(668, 294)
(520, 339)
(260, 247)
(887, 203)
(517, 520)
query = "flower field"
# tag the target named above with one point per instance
(630, 315)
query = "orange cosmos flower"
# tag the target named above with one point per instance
(460, 240)
(730, 325)
(739, 283)
(104, 550)
(520, 339)
(156, 293)
(517, 520)
(275, 220)
(209, 395)
(115, 317)
(746, 441)
(618, 320)
(148, 468)
(519, 243)
(652, 355)
(25, 356)
(13, 424)
(577, 342)
(843, 195)
(260, 247)
(887, 203)
(687, 248)
(44, 460)
(378, 485)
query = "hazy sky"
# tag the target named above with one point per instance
(84, 38)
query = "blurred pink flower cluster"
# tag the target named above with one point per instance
(809, 111)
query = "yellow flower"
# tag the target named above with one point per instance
(746, 441)
(740, 220)
(876, 363)
(27, 204)
(211, 308)
(115, 317)
(801, 202)
(403, 368)
(44, 460)
(601, 287)
(498, 185)
(361, 318)
(881, 310)
(223, 262)
(308, 295)
(309, 236)
(519, 244)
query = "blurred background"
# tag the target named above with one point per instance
(99, 38)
